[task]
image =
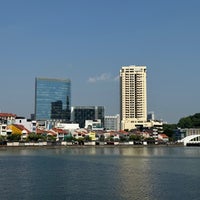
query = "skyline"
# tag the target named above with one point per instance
(88, 42)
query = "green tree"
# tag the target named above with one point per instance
(168, 129)
(33, 137)
(192, 121)
(123, 138)
(102, 138)
(42, 137)
(196, 120)
(87, 138)
(110, 138)
(134, 137)
(51, 138)
(80, 141)
(150, 140)
(14, 137)
(185, 122)
(69, 138)
(2, 138)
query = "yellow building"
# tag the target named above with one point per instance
(19, 129)
(92, 135)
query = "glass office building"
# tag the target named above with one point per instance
(52, 99)
(82, 113)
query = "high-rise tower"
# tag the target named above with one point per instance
(133, 97)
(52, 99)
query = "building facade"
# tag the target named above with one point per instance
(52, 99)
(133, 96)
(79, 114)
(94, 125)
(7, 118)
(112, 123)
(27, 123)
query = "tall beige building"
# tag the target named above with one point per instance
(133, 96)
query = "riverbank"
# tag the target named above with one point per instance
(87, 144)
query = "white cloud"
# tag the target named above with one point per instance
(116, 78)
(102, 77)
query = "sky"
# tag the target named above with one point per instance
(88, 41)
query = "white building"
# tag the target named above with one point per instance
(28, 124)
(190, 131)
(7, 118)
(3, 130)
(112, 122)
(94, 125)
(67, 126)
(133, 96)
(163, 137)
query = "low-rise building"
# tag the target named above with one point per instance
(60, 134)
(163, 137)
(27, 123)
(3, 130)
(112, 122)
(181, 133)
(70, 127)
(7, 118)
(94, 125)
(19, 129)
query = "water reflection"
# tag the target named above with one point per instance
(122, 151)
(100, 173)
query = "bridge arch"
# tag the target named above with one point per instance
(191, 139)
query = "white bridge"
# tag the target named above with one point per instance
(191, 140)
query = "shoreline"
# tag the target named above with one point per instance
(89, 146)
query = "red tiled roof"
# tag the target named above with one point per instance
(51, 133)
(60, 130)
(40, 131)
(163, 135)
(7, 115)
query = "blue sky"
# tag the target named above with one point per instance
(89, 40)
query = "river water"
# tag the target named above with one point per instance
(120, 173)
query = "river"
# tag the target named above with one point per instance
(120, 173)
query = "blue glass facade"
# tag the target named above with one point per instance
(52, 99)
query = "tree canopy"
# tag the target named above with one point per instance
(192, 121)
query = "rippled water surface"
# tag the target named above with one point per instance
(146, 173)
